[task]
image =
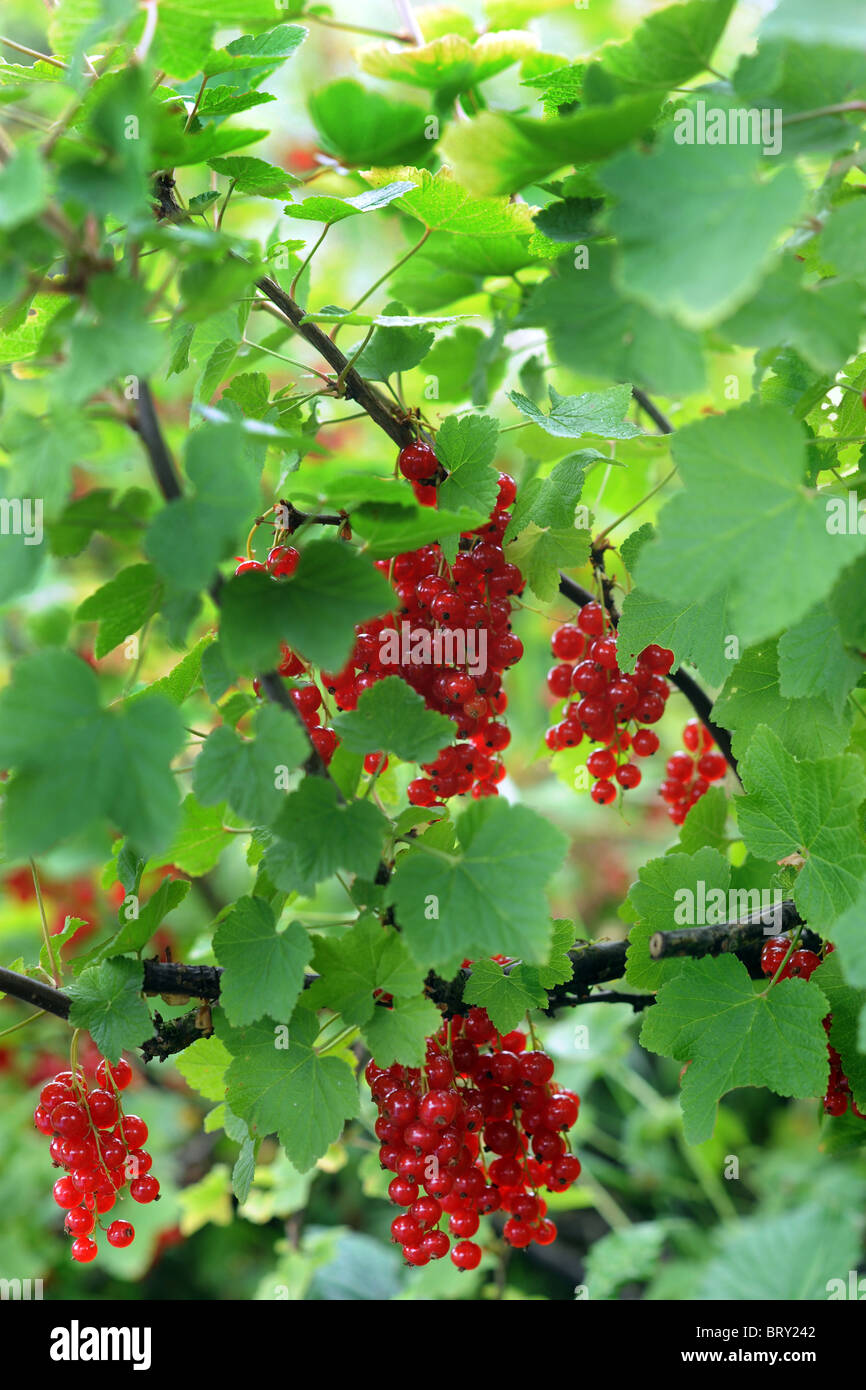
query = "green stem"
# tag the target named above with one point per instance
(218, 220)
(345, 1035)
(838, 108)
(652, 492)
(193, 113)
(23, 1023)
(357, 28)
(306, 261)
(388, 273)
(341, 379)
(46, 935)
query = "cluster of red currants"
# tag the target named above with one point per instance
(101, 1150)
(457, 618)
(800, 965)
(691, 770)
(609, 702)
(478, 1129)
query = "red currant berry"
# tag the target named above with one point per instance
(283, 561)
(144, 1189)
(120, 1234)
(466, 1255)
(84, 1250)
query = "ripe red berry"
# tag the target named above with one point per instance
(246, 566)
(603, 792)
(417, 462)
(120, 1072)
(568, 642)
(120, 1234)
(79, 1222)
(84, 1250)
(134, 1131)
(645, 742)
(103, 1109)
(144, 1189)
(283, 561)
(628, 776)
(70, 1119)
(466, 1255)
(590, 619)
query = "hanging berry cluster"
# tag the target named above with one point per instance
(691, 770)
(610, 701)
(800, 965)
(478, 1129)
(454, 609)
(101, 1150)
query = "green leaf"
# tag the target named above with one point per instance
(251, 175)
(500, 153)
(199, 841)
(260, 51)
(800, 1254)
(668, 47)
(189, 537)
(808, 726)
(807, 808)
(705, 824)
(629, 1255)
(815, 662)
(121, 606)
(203, 1066)
(76, 763)
(666, 888)
(244, 771)
(329, 209)
(821, 322)
(315, 612)
(484, 898)
(842, 238)
(289, 1090)
(756, 451)
(110, 338)
(96, 511)
(107, 1001)
(694, 630)
(391, 717)
(393, 350)
(690, 266)
(736, 1032)
(505, 997)
(570, 417)
(137, 931)
(441, 204)
(362, 127)
(263, 968)
(449, 64)
(368, 958)
(24, 187)
(837, 22)
(59, 939)
(546, 531)
(182, 679)
(316, 836)
(619, 339)
(400, 1033)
